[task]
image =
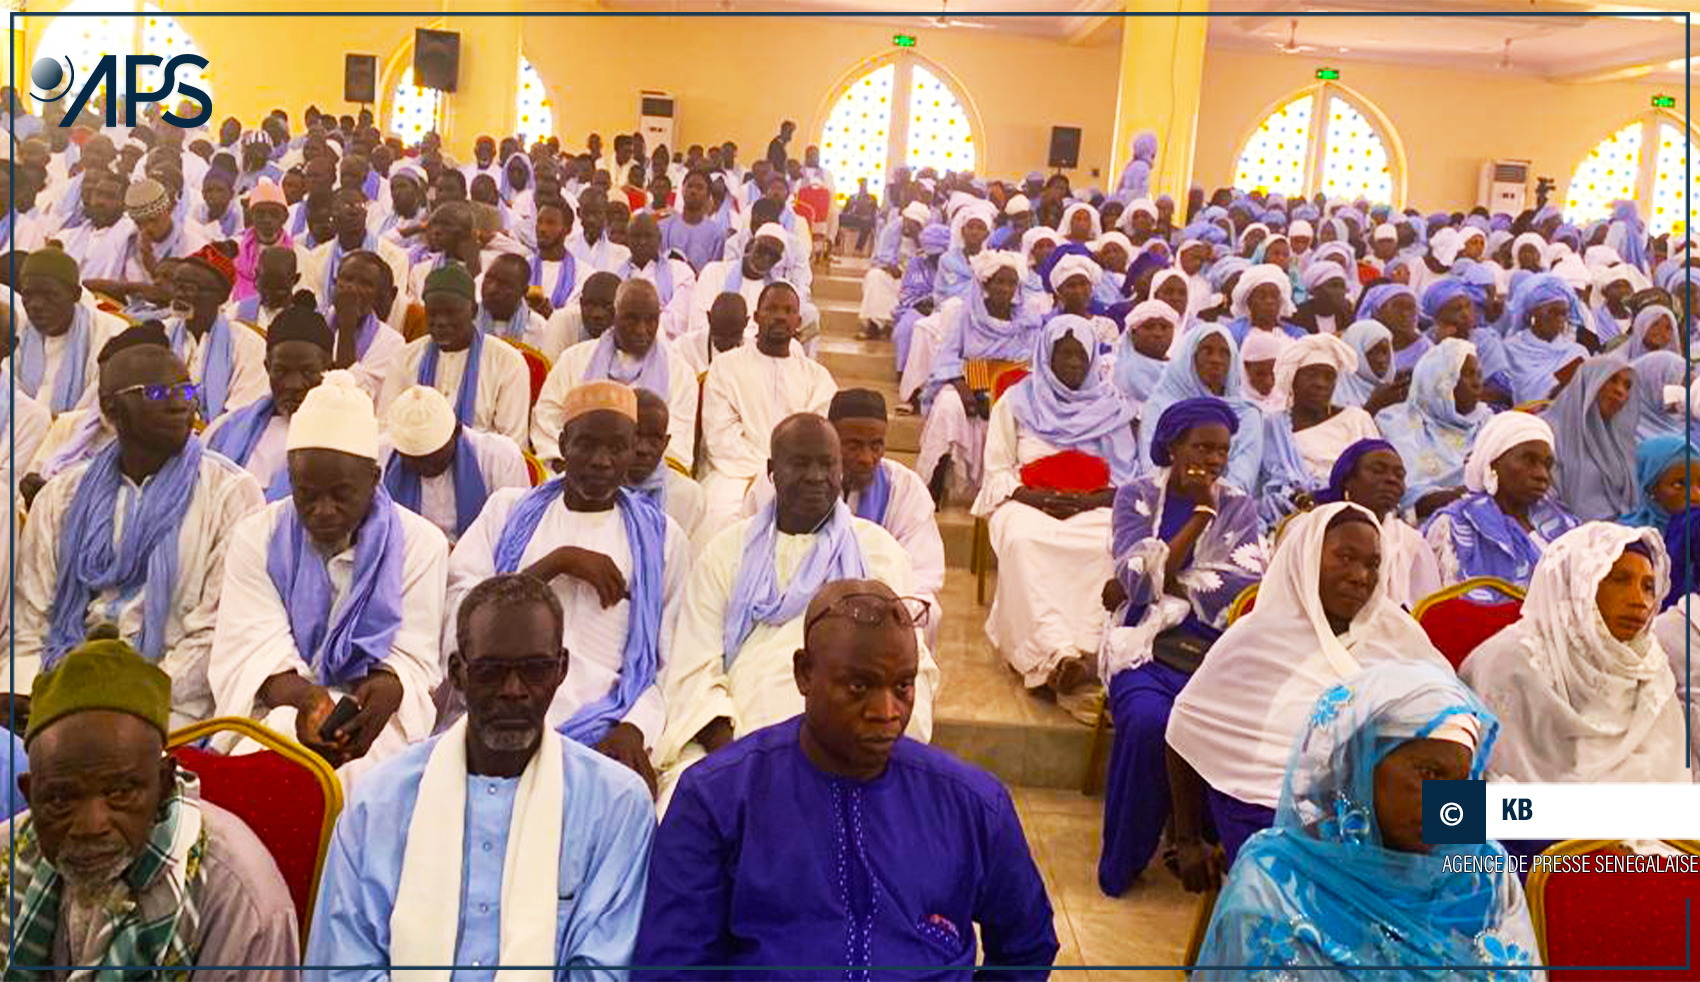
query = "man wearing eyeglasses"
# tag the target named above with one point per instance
(832, 839)
(136, 535)
(742, 614)
(498, 842)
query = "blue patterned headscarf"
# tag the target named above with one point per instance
(1595, 472)
(1652, 458)
(1433, 438)
(1320, 889)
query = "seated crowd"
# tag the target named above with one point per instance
(523, 502)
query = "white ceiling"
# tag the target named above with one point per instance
(1572, 40)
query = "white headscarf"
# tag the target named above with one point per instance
(1317, 274)
(1312, 349)
(1068, 219)
(1072, 265)
(917, 212)
(1115, 238)
(1256, 276)
(1301, 227)
(985, 211)
(1502, 432)
(1173, 273)
(1236, 719)
(1017, 205)
(987, 262)
(1576, 704)
(1033, 237)
(1532, 239)
(1152, 310)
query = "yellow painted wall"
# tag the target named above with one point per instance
(1449, 121)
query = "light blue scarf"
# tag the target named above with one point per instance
(241, 433)
(646, 537)
(466, 400)
(512, 329)
(756, 597)
(217, 369)
(562, 291)
(71, 381)
(651, 373)
(406, 487)
(91, 561)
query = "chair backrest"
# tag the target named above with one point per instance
(1625, 919)
(534, 469)
(536, 367)
(819, 201)
(1243, 603)
(288, 796)
(1006, 381)
(1459, 618)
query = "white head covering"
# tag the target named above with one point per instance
(1172, 273)
(1073, 265)
(1300, 227)
(1600, 257)
(1556, 252)
(1501, 433)
(1317, 274)
(1140, 204)
(1017, 205)
(1255, 277)
(1385, 231)
(1033, 236)
(1068, 219)
(1469, 232)
(337, 414)
(1235, 720)
(1577, 704)
(1239, 243)
(772, 230)
(1262, 346)
(1532, 239)
(916, 211)
(1573, 271)
(985, 211)
(1151, 310)
(420, 421)
(987, 262)
(1445, 244)
(1312, 349)
(1115, 238)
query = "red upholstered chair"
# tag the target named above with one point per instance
(980, 555)
(289, 796)
(536, 365)
(1619, 919)
(1243, 603)
(535, 469)
(818, 200)
(1459, 618)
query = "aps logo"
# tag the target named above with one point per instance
(48, 74)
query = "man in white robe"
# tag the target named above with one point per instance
(298, 353)
(59, 338)
(673, 279)
(729, 327)
(616, 563)
(745, 588)
(365, 345)
(333, 593)
(590, 245)
(584, 318)
(749, 276)
(228, 361)
(156, 482)
(274, 284)
(632, 352)
(656, 478)
(748, 391)
(501, 398)
(349, 218)
(500, 841)
(101, 243)
(423, 467)
(502, 310)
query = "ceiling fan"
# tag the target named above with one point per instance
(1293, 47)
(943, 20)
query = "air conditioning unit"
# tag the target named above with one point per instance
(1504, 186)
(655, 119)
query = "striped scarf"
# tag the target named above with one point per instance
(170, 861)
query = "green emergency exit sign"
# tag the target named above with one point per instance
(1664, 102)
(1328, 74)
(903, 40)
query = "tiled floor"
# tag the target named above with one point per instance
(1149, 925)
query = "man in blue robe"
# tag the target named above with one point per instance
(415, 873)
(832, 840)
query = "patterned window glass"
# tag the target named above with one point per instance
(163, 35)
(1608, 173)
(939, 135)
(1274, 158)
(532, 111)
(1354, 160)
(857, 133)
(84, 40)
(413, 111)
(1670, 200)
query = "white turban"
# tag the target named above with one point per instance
(1301, 227)
(1529, 239)
(336, 415)
(1469, 232)
(1573, 271)
(1172, 273)
(1317, 274)
(1117, 239)
(987, 262)
(1067, 221)
(1502, 432)
(1445, 245)
(927, 183)
(917, 212)
(1257, 276)
(1312, 349)
(1385, 231)
(1261, 346)
(1017, 205)
(1073, 265)
(1034, 236)
(1152, 310)
(1142, 204)
(985, 211)
(420, 421)
(1601, 256)
(772, 230)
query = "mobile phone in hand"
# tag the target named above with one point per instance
(346, 709)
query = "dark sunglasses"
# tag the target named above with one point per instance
(492, 672)
(160, 393)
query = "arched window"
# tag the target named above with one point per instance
(148, 31)
(893, 111)
(534, 117)
(1322, 138)
(1646, 162)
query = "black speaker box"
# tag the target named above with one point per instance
(360, 78)
(436, 59)
(1065, 147)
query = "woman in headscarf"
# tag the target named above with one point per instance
(1541, 323)
(1257, 358)
(1395, 307)
(1325, 307)
(984, 335)
(1224, 277)
(1652, 329)
(1609, 300)
(1504, 521)
(969, 229)
(1263, 300)
(1661, 395)
(1455, 309)
(1172, 287)
(1579, 682)
(1074, 278)
(1037, 244)
(915, 293)
(1205, 362)
(1434, 428)
(1667, 475)
(1593, 424)
(1142, 354)
(1322, 616)
(1370, 473)
(1185, 544)
(1372, 386)
(1302, 441)
(1343, 881)
(1079, 224)
(1058, 444)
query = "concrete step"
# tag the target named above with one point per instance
(956, 528)
(838, 318)
(837, 286)
(850, 358)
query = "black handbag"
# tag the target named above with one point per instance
(1180, 650)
